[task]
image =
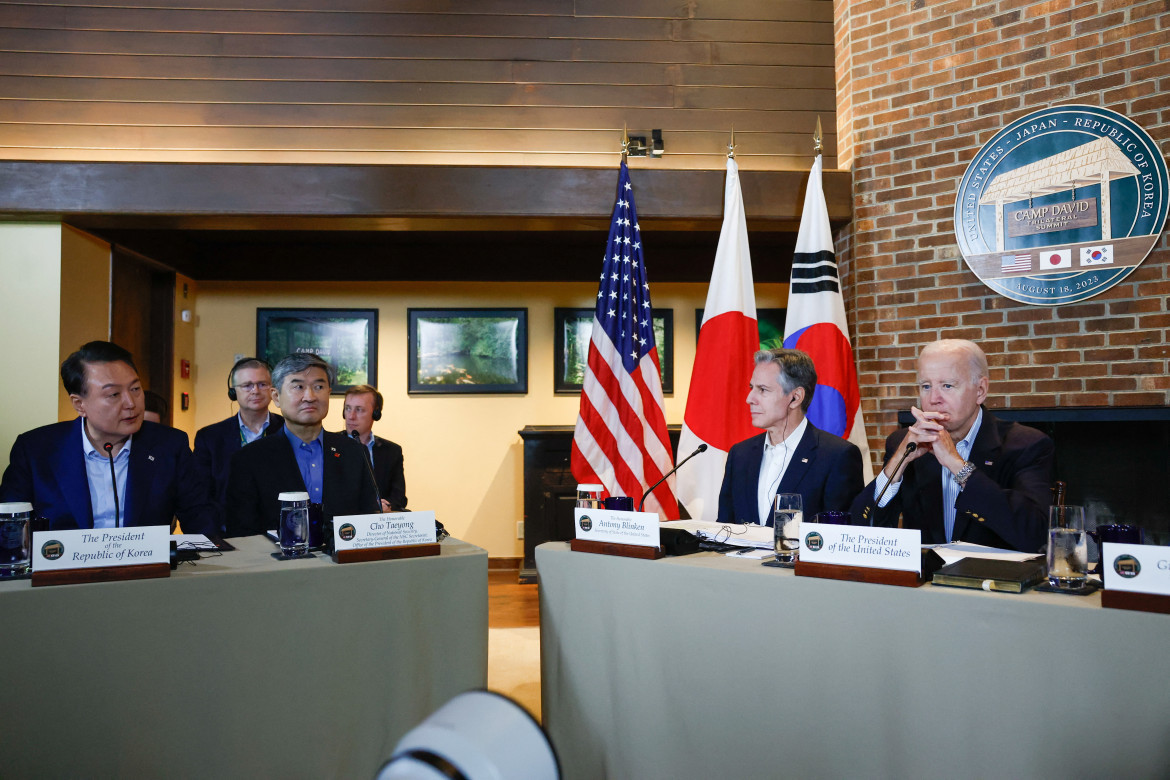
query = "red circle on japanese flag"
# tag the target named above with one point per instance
(1054, 259)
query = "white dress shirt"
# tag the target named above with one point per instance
(772, 467)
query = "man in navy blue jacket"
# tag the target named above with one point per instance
(249, 385)
(68, 470)
(792, 455)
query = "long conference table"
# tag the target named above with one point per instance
(238, 666)
(706, 666)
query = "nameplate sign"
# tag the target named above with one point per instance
(100, 547)
(391, 529)
(1137, 568)
(618, 527)
(854, 545)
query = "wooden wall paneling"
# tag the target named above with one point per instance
(777, 10)
(385, 24)
(164, 190)
(604, 118)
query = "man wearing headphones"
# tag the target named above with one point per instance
(249, 385)
(793, 455)
(363, 408)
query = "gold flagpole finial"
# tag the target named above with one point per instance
(817, 136)
(625, 143)
(731, 144)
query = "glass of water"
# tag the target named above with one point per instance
(787, 511)
(1068, 551)
(294, 524)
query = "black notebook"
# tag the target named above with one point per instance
(990, 574)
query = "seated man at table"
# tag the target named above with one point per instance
(792, 455)
(68, 470)
(971, 476)
(301, 457)
(250, 386)
(363, 407)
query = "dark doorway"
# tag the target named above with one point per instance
(143, 319)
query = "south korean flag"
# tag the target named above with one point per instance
(1097, 255)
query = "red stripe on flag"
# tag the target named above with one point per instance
(717, 410)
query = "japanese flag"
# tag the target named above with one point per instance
(1057, 258)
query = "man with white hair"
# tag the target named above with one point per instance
(970, 476)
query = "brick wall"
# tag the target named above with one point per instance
(927, 84)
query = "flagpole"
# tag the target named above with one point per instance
(817, 147)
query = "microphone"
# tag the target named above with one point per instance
(369, 468)
(700, 448)
(109, 448)
(909, 448)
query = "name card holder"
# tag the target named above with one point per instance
(1141, 602)
(1136, 577)
(614, 548)
(386, 553)
(857, 554)
(384, 537)
(617, 532)
(55, 552)
(833, 571)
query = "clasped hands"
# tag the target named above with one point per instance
(929, 435)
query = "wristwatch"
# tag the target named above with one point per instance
(964, 474)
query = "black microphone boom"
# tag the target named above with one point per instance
(109, 448)
(357, 437)
(909, 448)
(700, 448)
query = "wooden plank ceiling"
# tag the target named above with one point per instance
(440, 94)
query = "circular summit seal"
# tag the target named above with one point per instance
(52, 550)
(586, 522)
(1061, 205)
(1127, 566)
(814, 541)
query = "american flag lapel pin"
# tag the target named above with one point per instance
(150, 458)
(986, 463)
(804, 460)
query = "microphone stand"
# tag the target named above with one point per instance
(369, 468)
(909, 448)
(109, 448)
(700, 448)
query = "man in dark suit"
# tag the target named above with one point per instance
(363, 407)
(67, 470)
(249, 385)
(971, 477)
(792, 455)
(302, 457)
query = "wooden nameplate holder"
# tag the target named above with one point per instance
(386, 553)
(145, 571)
(833, 571)
(613, 548)
(1142, 602)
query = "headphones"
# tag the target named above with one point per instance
(240, 364)
(362, 389)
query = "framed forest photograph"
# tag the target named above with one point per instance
(467, 351)
(346, 339)
(573, 329)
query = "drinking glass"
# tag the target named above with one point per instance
(15, 536)
(294, 524)
(589, 496)
(1068, 550)
(787, 511)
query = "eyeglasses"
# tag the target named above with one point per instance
(250, 386)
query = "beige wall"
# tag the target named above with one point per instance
(30, 268)
(464, 458)
(85, 299)
(54, 296)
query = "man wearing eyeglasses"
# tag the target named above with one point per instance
(250, 386)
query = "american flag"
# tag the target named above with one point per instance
(621, 441)
(1017, 262)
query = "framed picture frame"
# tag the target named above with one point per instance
(346, 339)
(573, 329)
(465, 351)
(770, 323)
